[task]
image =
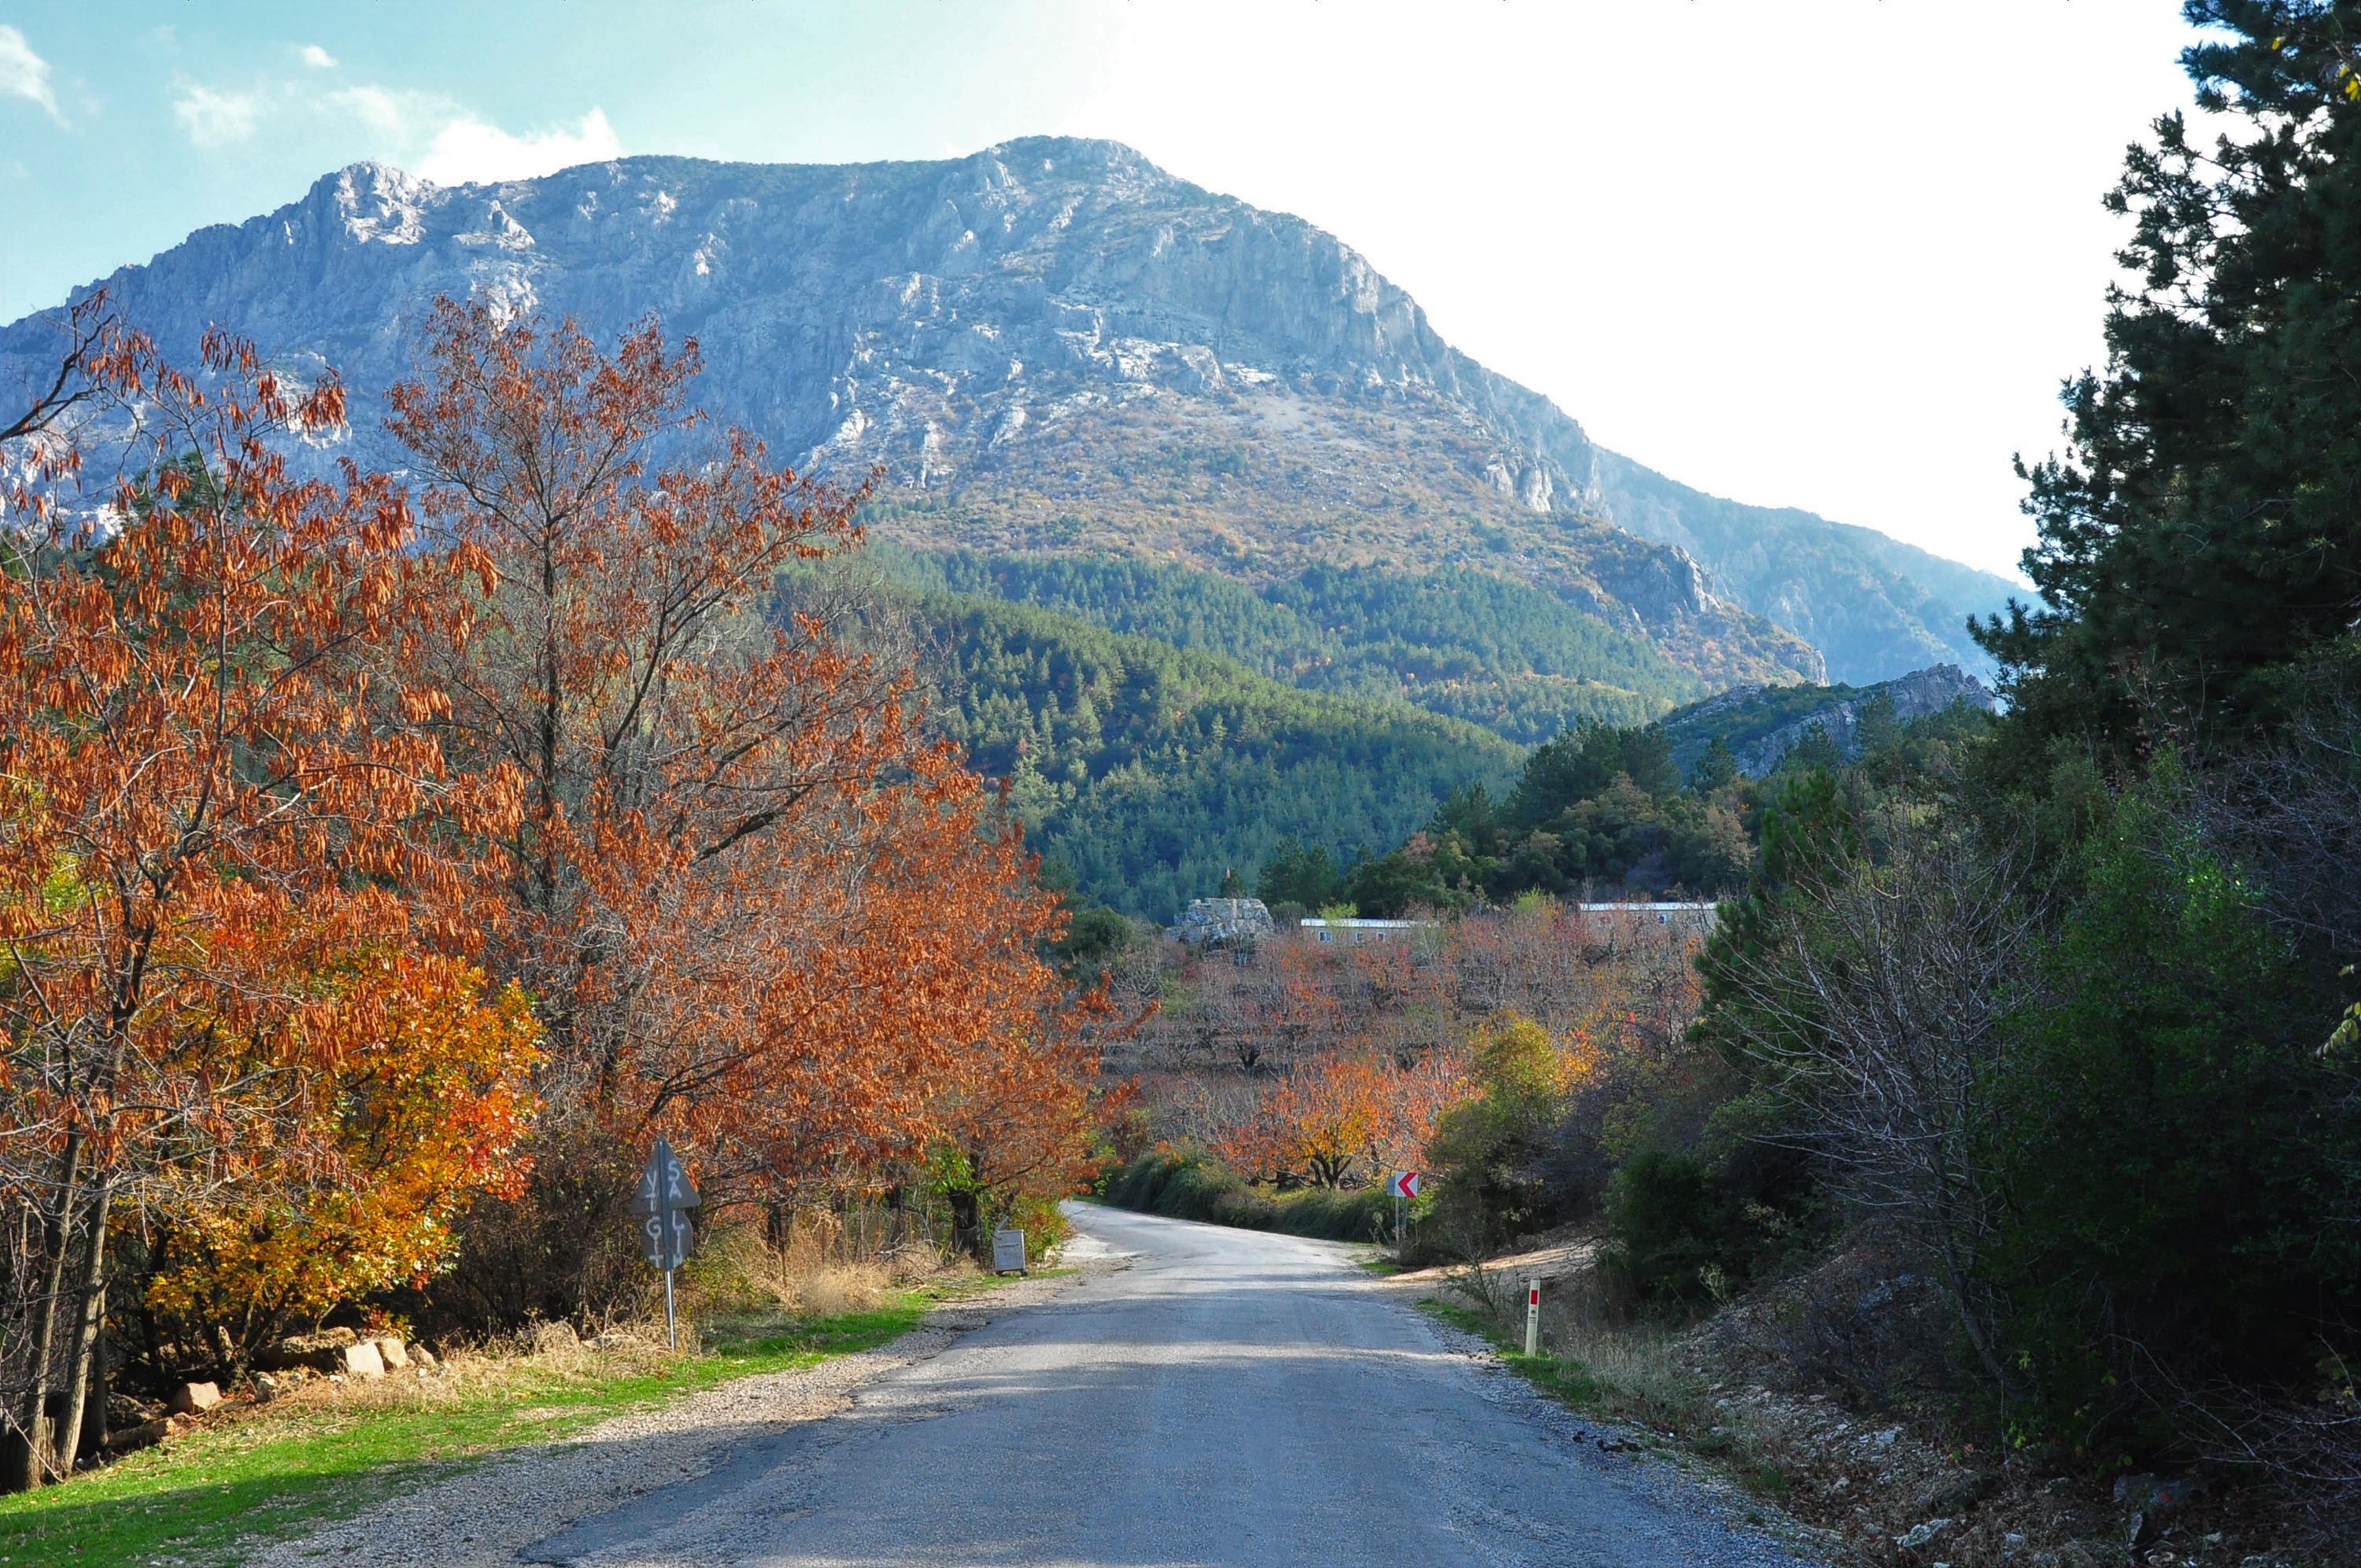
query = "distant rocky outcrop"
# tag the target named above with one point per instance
(1053, 345)
(1223, 919)
(1762, 724)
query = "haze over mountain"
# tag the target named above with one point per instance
(1053, 346)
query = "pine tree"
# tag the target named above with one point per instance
(2204, 528)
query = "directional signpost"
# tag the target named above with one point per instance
(663, 1203)
(1403, 1185)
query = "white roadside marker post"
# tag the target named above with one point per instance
(1532, 1317)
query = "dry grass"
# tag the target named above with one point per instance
(823, 1270)
(1639, 1367)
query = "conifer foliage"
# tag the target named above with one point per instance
(2204, 525)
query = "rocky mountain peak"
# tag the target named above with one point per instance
(1049, 344)
(373, 203)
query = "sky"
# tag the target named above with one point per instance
(1833, 254)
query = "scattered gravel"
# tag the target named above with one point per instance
(480, 1515)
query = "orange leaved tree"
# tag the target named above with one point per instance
(756, 906)
(1342, 1115)
(222, 825)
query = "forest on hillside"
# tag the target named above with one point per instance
(1516, 659)
(1145, 774)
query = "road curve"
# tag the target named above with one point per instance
(1227, 1398)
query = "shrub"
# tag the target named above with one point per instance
(1671, 1229)
(2178, 1146)
(1190, 1184)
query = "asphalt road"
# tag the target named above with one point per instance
(1227, 1397)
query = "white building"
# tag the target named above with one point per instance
(1320, 931)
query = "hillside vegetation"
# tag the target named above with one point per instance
(1464, 643)
(1147, 771)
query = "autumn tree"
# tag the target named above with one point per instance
(92, 353)
(756, 906)
(1345, 1115)
(223, 856)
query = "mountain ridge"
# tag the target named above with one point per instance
(1054, 344)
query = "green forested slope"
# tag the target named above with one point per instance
(1148, 771)
(1516, 659)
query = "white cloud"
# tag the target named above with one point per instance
(24, 74)
(313, 55)
(468, 150)
(388, 113)
(439, 139)
(215, 119)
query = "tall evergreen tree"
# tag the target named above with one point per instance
(2203, 527)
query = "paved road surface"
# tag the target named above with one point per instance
(1226, 1398)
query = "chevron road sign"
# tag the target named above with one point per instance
(1403, 1186)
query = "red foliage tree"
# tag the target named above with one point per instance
(215, 809)
(756, 906)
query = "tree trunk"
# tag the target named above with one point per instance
(93, 1297)
(966, 1223)
(31, 1466)
(102, 1388)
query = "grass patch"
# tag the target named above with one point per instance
(1628, 1375)
(1568, 1381)
(274, 1471)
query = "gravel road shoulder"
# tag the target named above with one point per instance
(1640, 1456)
(480, 1515)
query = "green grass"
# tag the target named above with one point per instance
(1629, 1382)
(276, 1472)
(1568, 1381)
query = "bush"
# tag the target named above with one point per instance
(1674, 1235)
(1192, 1183)
(566, 1247)
(2181, 1149)
(1486, 1152)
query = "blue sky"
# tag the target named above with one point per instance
(1827, 253)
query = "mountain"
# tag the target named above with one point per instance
(1053, 346)
(1875, 606)
(1762, 724)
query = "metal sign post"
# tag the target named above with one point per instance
(1403, 1185)
(1532, 1317)
(666, 1196)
